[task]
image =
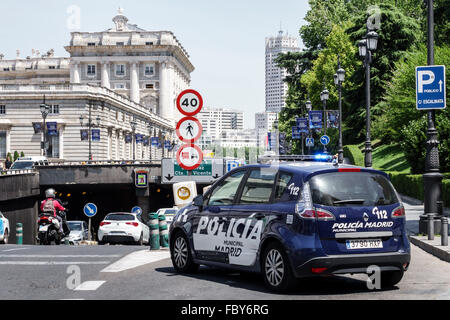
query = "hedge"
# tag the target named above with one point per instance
(412, 185)
(354, 154)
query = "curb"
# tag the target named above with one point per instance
(432, 246)
(89, 243)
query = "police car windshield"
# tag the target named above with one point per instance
(352, 189)
(120, 217)
(18, 165)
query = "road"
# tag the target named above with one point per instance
(135, 273)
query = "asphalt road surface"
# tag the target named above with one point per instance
(135, 273)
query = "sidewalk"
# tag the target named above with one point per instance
(414, 208)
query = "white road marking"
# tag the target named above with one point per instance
(14, 249)
(57, 256)
(43, 263)
(137, 259)
(89, 286)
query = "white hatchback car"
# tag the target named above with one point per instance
(123, 227)
(4, 229)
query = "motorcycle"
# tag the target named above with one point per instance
(48, 228)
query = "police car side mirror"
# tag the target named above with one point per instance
(198, 202)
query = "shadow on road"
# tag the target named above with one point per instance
(326, 285)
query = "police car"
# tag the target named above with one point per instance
(4, 229)
(294, 220)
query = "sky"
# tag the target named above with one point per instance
(225, 39)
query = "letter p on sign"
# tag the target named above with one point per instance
(421, 79)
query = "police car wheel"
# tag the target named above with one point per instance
(391, 278)
(181, 254)
(276, 270)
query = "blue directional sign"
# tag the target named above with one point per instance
(325, 140)
(309, 142)
(90, 210)
(137, 210)
(430, 87)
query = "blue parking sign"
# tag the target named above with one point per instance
(430, 87)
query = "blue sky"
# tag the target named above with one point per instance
(225, 39)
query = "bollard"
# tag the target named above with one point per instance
(19, 233)
(430, 226)
(163, 231)
(153, 224)
(66, 241)
(444, 231)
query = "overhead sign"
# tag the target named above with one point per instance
(302, 125)
(325, 140)
(90, 210)
(189, 102)
(141, 178)
(430, 87)
(315, 119)
(309, 142)
(189, 129)
(209, 171)
(189, 156)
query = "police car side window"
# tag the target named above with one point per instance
(258, 187)
(282, 184)
(225, 192)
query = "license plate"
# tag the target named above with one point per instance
(43, 228)
(364, 244)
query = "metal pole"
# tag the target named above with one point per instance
(444, 231)
(303, 140)
(44, 149)
(325, 122)
(368, 149)
(340, 148)
(90, 132)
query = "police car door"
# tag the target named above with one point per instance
(249, 216)
(211, 224)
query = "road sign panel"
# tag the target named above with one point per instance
(189, 102)
(309, 142)
(208, 171)
(189, 129)
(430, 88)
(189, 156)
(141, 178)
(137, 210)
(90, 210)
(325, 140)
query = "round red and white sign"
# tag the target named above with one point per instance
(189, 102)
(189, 156)
(189, 129)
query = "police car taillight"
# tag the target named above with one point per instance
(398, 212)
(318, 214)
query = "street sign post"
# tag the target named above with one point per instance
(208, 172)
(325, 140)
(430, 87)
(90, 210)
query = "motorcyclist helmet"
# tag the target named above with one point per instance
(50, 193)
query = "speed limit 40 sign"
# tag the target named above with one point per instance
(189, 102)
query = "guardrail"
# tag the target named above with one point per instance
(102, 163)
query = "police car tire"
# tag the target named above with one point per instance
(189, 266)
(391, 278)
(288, 281)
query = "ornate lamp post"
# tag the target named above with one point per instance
(133, 125)
(339, 78)
(45, 110)
(90, 125)
(324, 95)
(366, 46)
(308, 109)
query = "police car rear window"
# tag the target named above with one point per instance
(352, 189)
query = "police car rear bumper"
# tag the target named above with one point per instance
(340, 264)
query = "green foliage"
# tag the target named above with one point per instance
(16, 155)
(22, 154)
(354, 154)
(9, 156)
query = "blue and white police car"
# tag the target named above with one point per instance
(294, 220)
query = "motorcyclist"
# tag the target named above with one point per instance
(50, 205)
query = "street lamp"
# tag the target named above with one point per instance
(324, 95)
(90, 125)
(133, 125)
(366, 46)
(339, 78)
(308, 109)
(45, 110)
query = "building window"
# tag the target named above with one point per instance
(91, 44)
(2, 144)
(120, 43)
(120, 86)
(51, 67)
(54, 109)
(149, 70)
(5, 69)
(149, 86)
(149, 43)
(120, 69)
(91, 69)
(2, 109)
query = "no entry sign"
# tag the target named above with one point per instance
(189, 157)
(189, 102)
(189, 129)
